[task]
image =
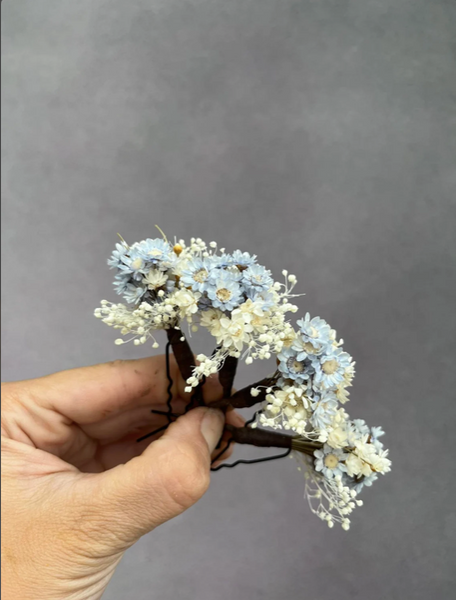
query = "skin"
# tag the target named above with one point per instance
(77, 489)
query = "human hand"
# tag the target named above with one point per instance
(77, 489)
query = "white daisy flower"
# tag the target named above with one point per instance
(155, 279)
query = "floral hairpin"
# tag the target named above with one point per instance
(171, 285)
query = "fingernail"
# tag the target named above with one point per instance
(236, 419)
(212, 427)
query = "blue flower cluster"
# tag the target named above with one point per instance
(134, 262)
(313, 355)
(312, 345)
(224, 281)
(313, 359)
(229, 280)
(315, 336)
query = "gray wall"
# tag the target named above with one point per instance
(320, 134)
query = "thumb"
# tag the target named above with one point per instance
(167, 478)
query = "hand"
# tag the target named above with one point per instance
(77, 489)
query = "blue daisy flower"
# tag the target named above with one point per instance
(329, 461)
(265, 299)
(223, 261)
(119, 256)
(257, 278)
(330, 368)
(133, 293)
(156, 252)
(231, 272)
(225, 292)
(217, 262)
(136, 264)
(375, 433)
(130, 263)
(126, 261)
(121, 282)
(292, 368)
(324, 408)
(360, 426)
(197, 274)
(242, 260)
(314, 336)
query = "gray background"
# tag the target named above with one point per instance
(320, 134)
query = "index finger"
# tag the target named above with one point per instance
(90, 394)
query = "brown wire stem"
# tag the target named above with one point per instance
(185, 360)
(227, 374)
(243, 398)
(259, 437)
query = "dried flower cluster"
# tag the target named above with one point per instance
(167, 285)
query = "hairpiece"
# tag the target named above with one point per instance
(168, 286)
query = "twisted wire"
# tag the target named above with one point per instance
(169, 412)
(251, 461)
(242, 461)
(195, 399)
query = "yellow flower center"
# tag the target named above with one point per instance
(308, 347)
(155, 252)
(295, 365)
(331, 461)
(137, 263)
(223, 294)
(330, 366)
(200, 276)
